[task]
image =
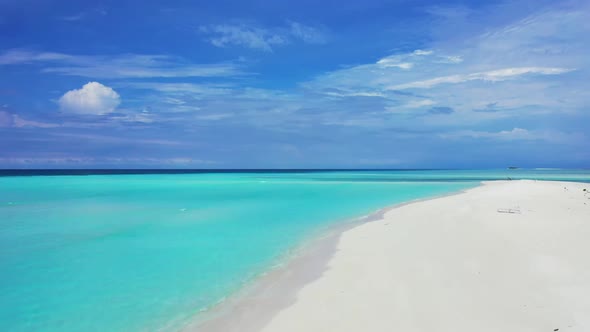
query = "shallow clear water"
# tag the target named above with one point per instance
(147, 252)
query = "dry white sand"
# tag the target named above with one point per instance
(451, 264)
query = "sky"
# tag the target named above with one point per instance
(294, 84)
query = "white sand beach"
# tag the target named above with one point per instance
(456, 263)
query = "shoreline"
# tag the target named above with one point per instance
(303, 264)
(277, 291)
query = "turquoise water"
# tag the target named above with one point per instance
(148, 252)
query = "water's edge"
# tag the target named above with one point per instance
(256, 303)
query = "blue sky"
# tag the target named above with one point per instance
(284, 84)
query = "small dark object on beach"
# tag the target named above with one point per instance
(555, 329)
(584, 189)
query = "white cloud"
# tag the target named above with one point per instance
(377, 76)
(74, 160)
(516, 66)
(193, 89)
(73, 18)
(134, 71)
(449, 12)
(517, 134)
(117, 66)
(423, 52)
(451, 59)
(92, 98)
(174, 101)
(419, 103)
(250, 36)
(16, 56)
(145, 116)
(5, 119)
(518, 62)
(8, 120)
(104, 139)
(45, 160)
(404, 61)
(307, 34)
(19, 122)
(388, 62)
(492, 76)
(514, 134)
(341, 93)
(214, 117)
(242, 35)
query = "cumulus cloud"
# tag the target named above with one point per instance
(92, 98)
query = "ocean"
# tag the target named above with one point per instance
(97, 251)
